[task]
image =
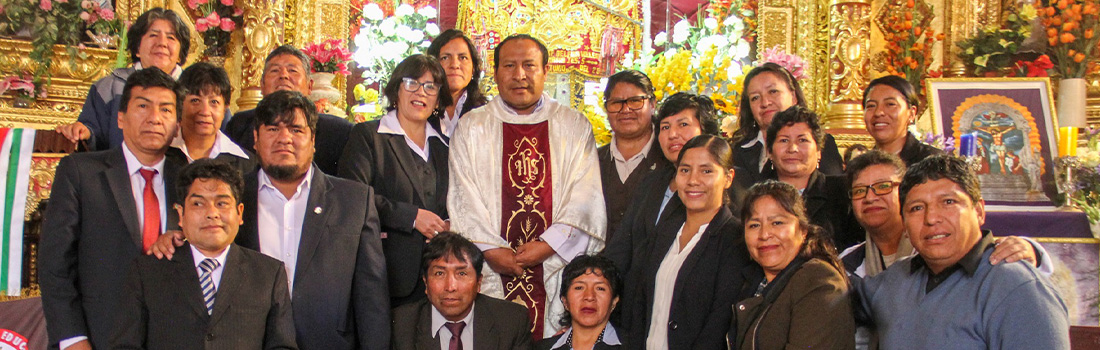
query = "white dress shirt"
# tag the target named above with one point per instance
(444, 335)
(216, 275)
(222, 144)
(390, 125)
(137, 186)
(450, 121)
(280, 221)
(665, 286)
(626, 166)
(763, 149)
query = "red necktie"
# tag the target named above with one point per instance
(151, 229)
(456, 334)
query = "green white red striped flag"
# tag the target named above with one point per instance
(15, 170)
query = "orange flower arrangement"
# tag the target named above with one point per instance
(907, 30)
(1071, 27)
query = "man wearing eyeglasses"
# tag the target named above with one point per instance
(628, 100)
(525, 178)
(875, 177)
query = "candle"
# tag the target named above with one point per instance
(967, 147)
(1067, 141)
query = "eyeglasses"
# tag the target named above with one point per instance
(634, 103)
(411, 85)
(880, 188)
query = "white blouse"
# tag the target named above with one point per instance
(666, 284)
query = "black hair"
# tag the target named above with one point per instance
(278, 107)
(747, 128)
(203, 77)
(209, 168)
(629, 76)
(413, 67)
(451, 244)
(851, 150)
(897, 83)
(718, 149)
(148, 78)
(474, 97)
(542, 47)
(871, 158)
(145, 21)
(680, 101)
(941, 166)
(791, 116)
(288, 49)
(818, 244)
(581, 265)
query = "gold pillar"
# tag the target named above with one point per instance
(849, 43)
(262, 33)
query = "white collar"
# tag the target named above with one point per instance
(175, 71)
(265, 181)
(133, 165)
(390, 125)
(222, 144)
(759, 138)
(610, 337)
(438, 321)
(538, 105)
(458, 107)
(199, 257)
(643, 153)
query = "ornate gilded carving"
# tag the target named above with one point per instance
(964, 18)
(67, 89)
(43, 167)
(262, 33)
(850, 34)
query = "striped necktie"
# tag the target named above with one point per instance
(206, 281)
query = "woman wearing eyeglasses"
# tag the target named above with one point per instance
(405, 160)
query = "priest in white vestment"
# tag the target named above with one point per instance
(542, 207)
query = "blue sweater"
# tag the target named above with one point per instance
(1007, 306)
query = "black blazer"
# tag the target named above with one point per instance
(403, 183)
(914, 151)
(617, 194)
(245, 165)
(748, 160)
(332, 134)
(705, 288)
(340, 294)
(498, 324)
(828, 206)
(163, 306)
(90, 237)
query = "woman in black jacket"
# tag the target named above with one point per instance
(405, 160)
(690, 276)
(889, 107)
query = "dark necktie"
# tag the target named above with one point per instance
(456, 334)
(206, 281)
(151, 226)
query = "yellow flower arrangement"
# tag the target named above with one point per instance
(600, 128)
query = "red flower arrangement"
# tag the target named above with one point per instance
(1036, 68)
(1071, 28)
(329, 56)
(215, 20)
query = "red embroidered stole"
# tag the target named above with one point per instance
(527, 206)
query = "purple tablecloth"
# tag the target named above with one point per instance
(1068, 224)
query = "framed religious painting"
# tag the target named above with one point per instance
(1006, 127)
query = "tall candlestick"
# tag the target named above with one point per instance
(1067, 141)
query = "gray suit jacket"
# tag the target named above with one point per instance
(340, 295)
(498, 324)
(90, 237)
(163, 306)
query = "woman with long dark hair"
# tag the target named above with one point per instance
(458, 56)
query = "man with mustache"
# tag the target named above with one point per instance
(287, 69)
(524, 175)
(107, 208)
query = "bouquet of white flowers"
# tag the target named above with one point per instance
(383, 42)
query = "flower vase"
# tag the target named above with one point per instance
(1071, 102)
(322, 87)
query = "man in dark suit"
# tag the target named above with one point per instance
(287, 69)
(106, 208)
(213, 294)
(633, 152)
(455, 316)
(324, 229)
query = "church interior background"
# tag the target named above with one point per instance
(705, 46)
